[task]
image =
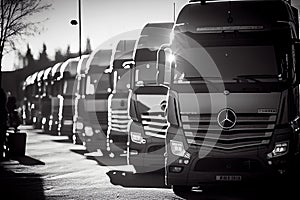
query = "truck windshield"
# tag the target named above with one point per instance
(145, 73)
(122, 81)
(234, 58)
(154, 38)
(97, 83)
(232, 62)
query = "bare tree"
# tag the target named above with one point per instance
(14, 22)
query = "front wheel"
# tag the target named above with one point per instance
(180, 189)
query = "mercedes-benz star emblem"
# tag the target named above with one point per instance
(226, 118)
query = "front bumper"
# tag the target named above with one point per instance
(117, 141)
(218, 167)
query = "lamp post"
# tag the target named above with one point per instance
(75, 22)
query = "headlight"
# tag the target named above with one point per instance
(79, 125)
(44, 120)
(137, 138)
(177, 148)
(88, 131)
(280, 149)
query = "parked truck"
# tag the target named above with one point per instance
(232, 69)
(46, 100)
(79, 112)
(66, 97)
(55, 91)
(148, 125)
(97, 89)
(118, 116)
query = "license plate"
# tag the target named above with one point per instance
(228, 178)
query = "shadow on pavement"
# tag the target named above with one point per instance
(20, 185)
(108, 161)
(79, 151)
(63, 140)
(277, 190)
(101, 160)
(26, 160)
(129, 179)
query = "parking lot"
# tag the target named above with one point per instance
(53, 168)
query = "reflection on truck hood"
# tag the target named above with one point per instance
(239, 102)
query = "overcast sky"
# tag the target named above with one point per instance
(101, 20)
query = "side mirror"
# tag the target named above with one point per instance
(56, 75)
(160, 66)
(128, 64)
(297, 60)
(165, 61)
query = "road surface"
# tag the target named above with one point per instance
(53, 168)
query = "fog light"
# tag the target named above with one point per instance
(68, 122)
(186, 162)
(175, 169)
(97, 131)
(133, 152)
(280, 149)
(88, 131)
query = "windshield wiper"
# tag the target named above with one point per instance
(255, 78)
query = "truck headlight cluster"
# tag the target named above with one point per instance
(88, 131)
(137, 138)
(177, 148)
(79, 125)
(280, 149)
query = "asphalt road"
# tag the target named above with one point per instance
(53, 168)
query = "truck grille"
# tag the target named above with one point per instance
(68, 111)
(119, 120)
(252, 129)
(155, 124)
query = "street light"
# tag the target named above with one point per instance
(75, 22)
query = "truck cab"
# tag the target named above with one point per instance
(55, 91)
(79, 113)
(38, 96)
(232, 70)
(98, 87)
(45, 99)
(118, 116)
(147, 128)
(67, 76)
(28, 89)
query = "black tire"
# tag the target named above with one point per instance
(180, 189)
